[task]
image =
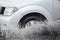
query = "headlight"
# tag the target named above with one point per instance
(9, 11)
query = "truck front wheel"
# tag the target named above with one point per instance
(31, 20)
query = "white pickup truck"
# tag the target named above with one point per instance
(24, 12)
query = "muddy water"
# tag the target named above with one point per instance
(49, 31)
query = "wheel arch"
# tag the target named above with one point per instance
(32, 14)
(16, 17)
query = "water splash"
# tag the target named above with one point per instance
(33, 32)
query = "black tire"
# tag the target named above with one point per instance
(30, 18)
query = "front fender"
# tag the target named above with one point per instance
(25, 10)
